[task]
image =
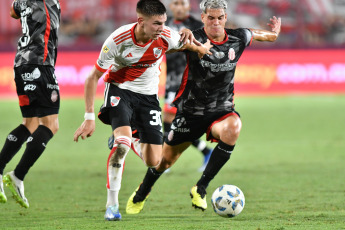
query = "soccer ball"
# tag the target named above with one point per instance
(228, 200)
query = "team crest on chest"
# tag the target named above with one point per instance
(114, 101)
(157, 52)
(232, 54)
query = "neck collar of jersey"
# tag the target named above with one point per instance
(134, 40)
(218, 43)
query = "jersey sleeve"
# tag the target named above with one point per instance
(107, 55)
(173, 38)
(244, 34)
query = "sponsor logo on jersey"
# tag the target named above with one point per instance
(11, 137)
(157, 52)
(176, 126)
(219, 55)
(143, 65)
(218, 67)
(31, 76)
(232, 54)
(114, 101)
(29, 87)
(54, 96)
(51, 86)
(105, 49)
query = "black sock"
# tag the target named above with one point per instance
(202, 148)
(220, 155)
(34, 148)
(13, 143)
(150, 179)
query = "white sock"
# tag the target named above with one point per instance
(116, 159)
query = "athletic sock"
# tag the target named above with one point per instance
(201, 146)
(152, 175)
(115, 165)
(35, 146)
(220, 155)
(13, 143)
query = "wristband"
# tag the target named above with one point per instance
(89, 116)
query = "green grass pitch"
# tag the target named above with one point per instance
(289, 162)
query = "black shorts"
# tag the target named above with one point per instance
(37, 90)
(125, 108)
(188, 128)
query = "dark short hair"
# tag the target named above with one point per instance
(151, 7)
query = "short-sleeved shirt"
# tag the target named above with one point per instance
(40, 23)
(208, 83)
(133, 66)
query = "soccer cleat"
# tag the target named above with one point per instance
(135, 208)
(112, 213)
(3, 198)
(111, 142)
(197, 200)
(206, 159)
(16, 186)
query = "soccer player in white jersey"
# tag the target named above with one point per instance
(131, 57)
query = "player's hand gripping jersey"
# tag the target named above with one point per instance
(208, 83)
(133, 66)
(40, 22)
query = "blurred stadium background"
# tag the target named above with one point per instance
(309, 56)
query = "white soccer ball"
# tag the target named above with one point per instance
(228, 200)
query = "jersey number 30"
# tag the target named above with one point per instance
(156, 118)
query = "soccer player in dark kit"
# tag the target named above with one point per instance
(37, 90)
(204, 101)
(176, 63)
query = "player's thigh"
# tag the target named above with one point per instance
(226, 129)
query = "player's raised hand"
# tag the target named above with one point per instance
(188, 37)
(275, 24)
(207, 46)
(85, 130)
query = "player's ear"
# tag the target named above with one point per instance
(203, 17)
(140, 20)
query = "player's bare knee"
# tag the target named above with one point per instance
(153, 163)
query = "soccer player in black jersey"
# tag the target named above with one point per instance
(37, 89)
(205, 101)
(176, 63)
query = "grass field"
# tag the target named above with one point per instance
(289, 162)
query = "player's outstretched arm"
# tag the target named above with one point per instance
(87, 128)
(188, 37)
(265, 35)
(12, 12)
(200, 49)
